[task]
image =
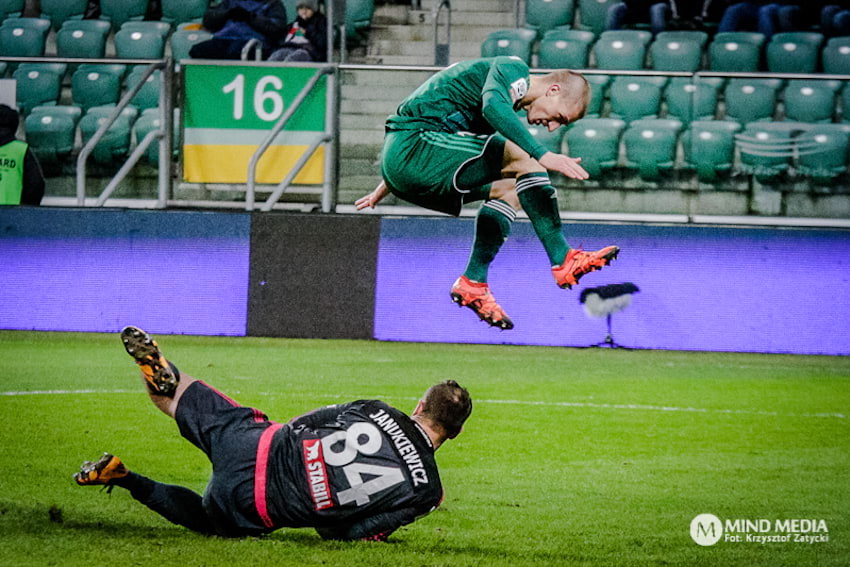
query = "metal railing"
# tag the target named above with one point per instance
(441, 50)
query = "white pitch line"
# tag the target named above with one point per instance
(587, 405)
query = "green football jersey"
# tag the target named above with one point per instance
(480, 96)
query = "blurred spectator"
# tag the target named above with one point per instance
(21, 179)
(307, 39)
(835, 18)
(764, 16)
(236, 22)
(694, 15)
(629, 12)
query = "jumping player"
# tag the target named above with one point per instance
(458, 139)
(358, 470)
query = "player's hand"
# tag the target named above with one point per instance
(372, 198)
(565, 165)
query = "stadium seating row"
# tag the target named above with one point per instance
(712, 149)
(113, 12)
(788, 52)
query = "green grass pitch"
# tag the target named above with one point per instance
(571, 457)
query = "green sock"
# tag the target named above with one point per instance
(540, 202)
(492, 228)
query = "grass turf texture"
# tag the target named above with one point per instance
(575, 457)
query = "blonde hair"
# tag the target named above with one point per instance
(574, 88)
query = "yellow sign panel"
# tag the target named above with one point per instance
(229, 164)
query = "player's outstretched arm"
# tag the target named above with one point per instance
(566, 165)
(372, 198)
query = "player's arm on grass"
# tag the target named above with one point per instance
(497, 107)
(372, 198)
(373, 528)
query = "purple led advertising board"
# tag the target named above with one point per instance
(99, 270)
(701, 288)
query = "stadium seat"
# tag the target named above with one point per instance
(37, 85)
(183, 40)
(593, 14)
(823, 152)
(148, 95)
(51, 132)
(754, 38)
(733, 56)
(517, 42)
(650, 147)
(641, 36)
(23, 37)
(358, 18)
(700, 37)
(61, 11)
(633, 99)
(749, 100)
(810, 37)
(767, 148)
(836, 59)
(619, 54)
(792, 57)
(550, 140)
(96, 85)
(177, 12)
(3, 67)
(148, 122)
(116, 12)
(597, 142)
(709, 148)
(690, 99)
(74, 42)
(564, 49)
(598, 90)
(807, 101)
(11, 8)
(162, 28)
(116, 143)
(840, 40)
(675, 55)
(133, 43)
(545, 15)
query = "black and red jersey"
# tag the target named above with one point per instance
(351, 471)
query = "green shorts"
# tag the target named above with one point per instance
(441, 171)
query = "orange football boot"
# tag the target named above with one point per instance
(578, 263)
(107, 469)
(477, 297)
(161, 375)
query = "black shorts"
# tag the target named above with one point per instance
(237, 440)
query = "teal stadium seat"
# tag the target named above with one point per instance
(61, 11)
(700, 37)
(550, 140)
(597, 142)
(135, 43)
(792, 57)
(517, 42)
(734, 56)
(633, 99)
(708, 147)
(690, 99)
(148, 122)
(593, 14)
(11, 8)
(767, 148)
(115, 145)
(650, 147)
(641, 36)
(564, 49)
(810, 37)
(809, 101)
(3, 67)
(836, 59)
(823, 152)
(23, 37)
(675, 55)
(183, 40)
(116, 12)
(619, 54)
(81, 41)
(754, 38)
(545, 15)
(95, 85)
(358, 19)
(162, 28)
(598, 91)
(51, 132)
(749, 100)
(177, 12)
(38, 84)
(148, 95)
